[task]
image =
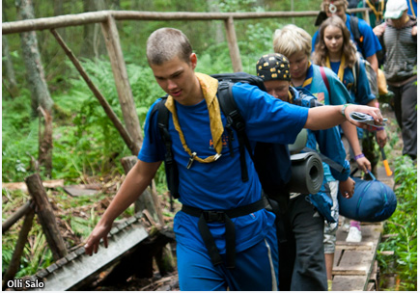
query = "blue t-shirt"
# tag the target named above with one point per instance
(370, 43)
(335, 66)
(363, 94)
(218, 185)
(412, 7)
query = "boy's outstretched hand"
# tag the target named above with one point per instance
(371, 111)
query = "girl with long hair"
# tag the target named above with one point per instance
(336, 51)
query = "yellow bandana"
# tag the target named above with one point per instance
(309, 76)
(209, 87)
(290, 97)
(342, 66)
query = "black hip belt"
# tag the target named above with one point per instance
(223, 216)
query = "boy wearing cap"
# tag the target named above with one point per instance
(302, 265)
(399, 38)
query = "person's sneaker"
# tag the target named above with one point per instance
(355, 235)
(346, 225)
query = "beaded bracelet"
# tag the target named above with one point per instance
(359, 156)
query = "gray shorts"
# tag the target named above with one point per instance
(330, 229)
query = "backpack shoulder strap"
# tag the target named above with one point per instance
(172, 176)
(355, 70)
(354, 27)
(325, 159)
(325, 79)
(235, 121)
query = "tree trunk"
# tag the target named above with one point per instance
(217, 26)
(9, 80)
(40, 95)
(11, 85)
(45, 141)
(93, 42)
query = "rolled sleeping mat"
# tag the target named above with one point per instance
(372, 201)
(307, 173)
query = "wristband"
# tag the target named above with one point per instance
(343, 109)
(379, 128)
(359, 156)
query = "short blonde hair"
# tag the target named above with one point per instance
(292, 39)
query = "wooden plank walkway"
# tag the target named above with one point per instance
(355, 268)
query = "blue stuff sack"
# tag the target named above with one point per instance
(373, 201)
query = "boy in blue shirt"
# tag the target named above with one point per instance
(210, 180)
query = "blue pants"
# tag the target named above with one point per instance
(256, 268)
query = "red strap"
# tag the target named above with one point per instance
(325, 79)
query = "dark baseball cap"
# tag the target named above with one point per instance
(274, 67)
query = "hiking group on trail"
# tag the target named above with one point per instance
(242, 226)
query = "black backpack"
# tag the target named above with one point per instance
(272, 161)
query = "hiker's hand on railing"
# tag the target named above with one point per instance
(381, 138)
(347, 188)
(99, 232)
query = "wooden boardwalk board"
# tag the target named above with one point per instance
(354, 263)
(348, 283)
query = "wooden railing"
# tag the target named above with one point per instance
(103, 16)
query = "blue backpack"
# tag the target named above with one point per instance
(373, 201)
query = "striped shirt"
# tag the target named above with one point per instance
(401, 52)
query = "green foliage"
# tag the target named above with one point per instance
(403, 223)
(36, 255)
(237, 5)
(19, 137)
(83, 227)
